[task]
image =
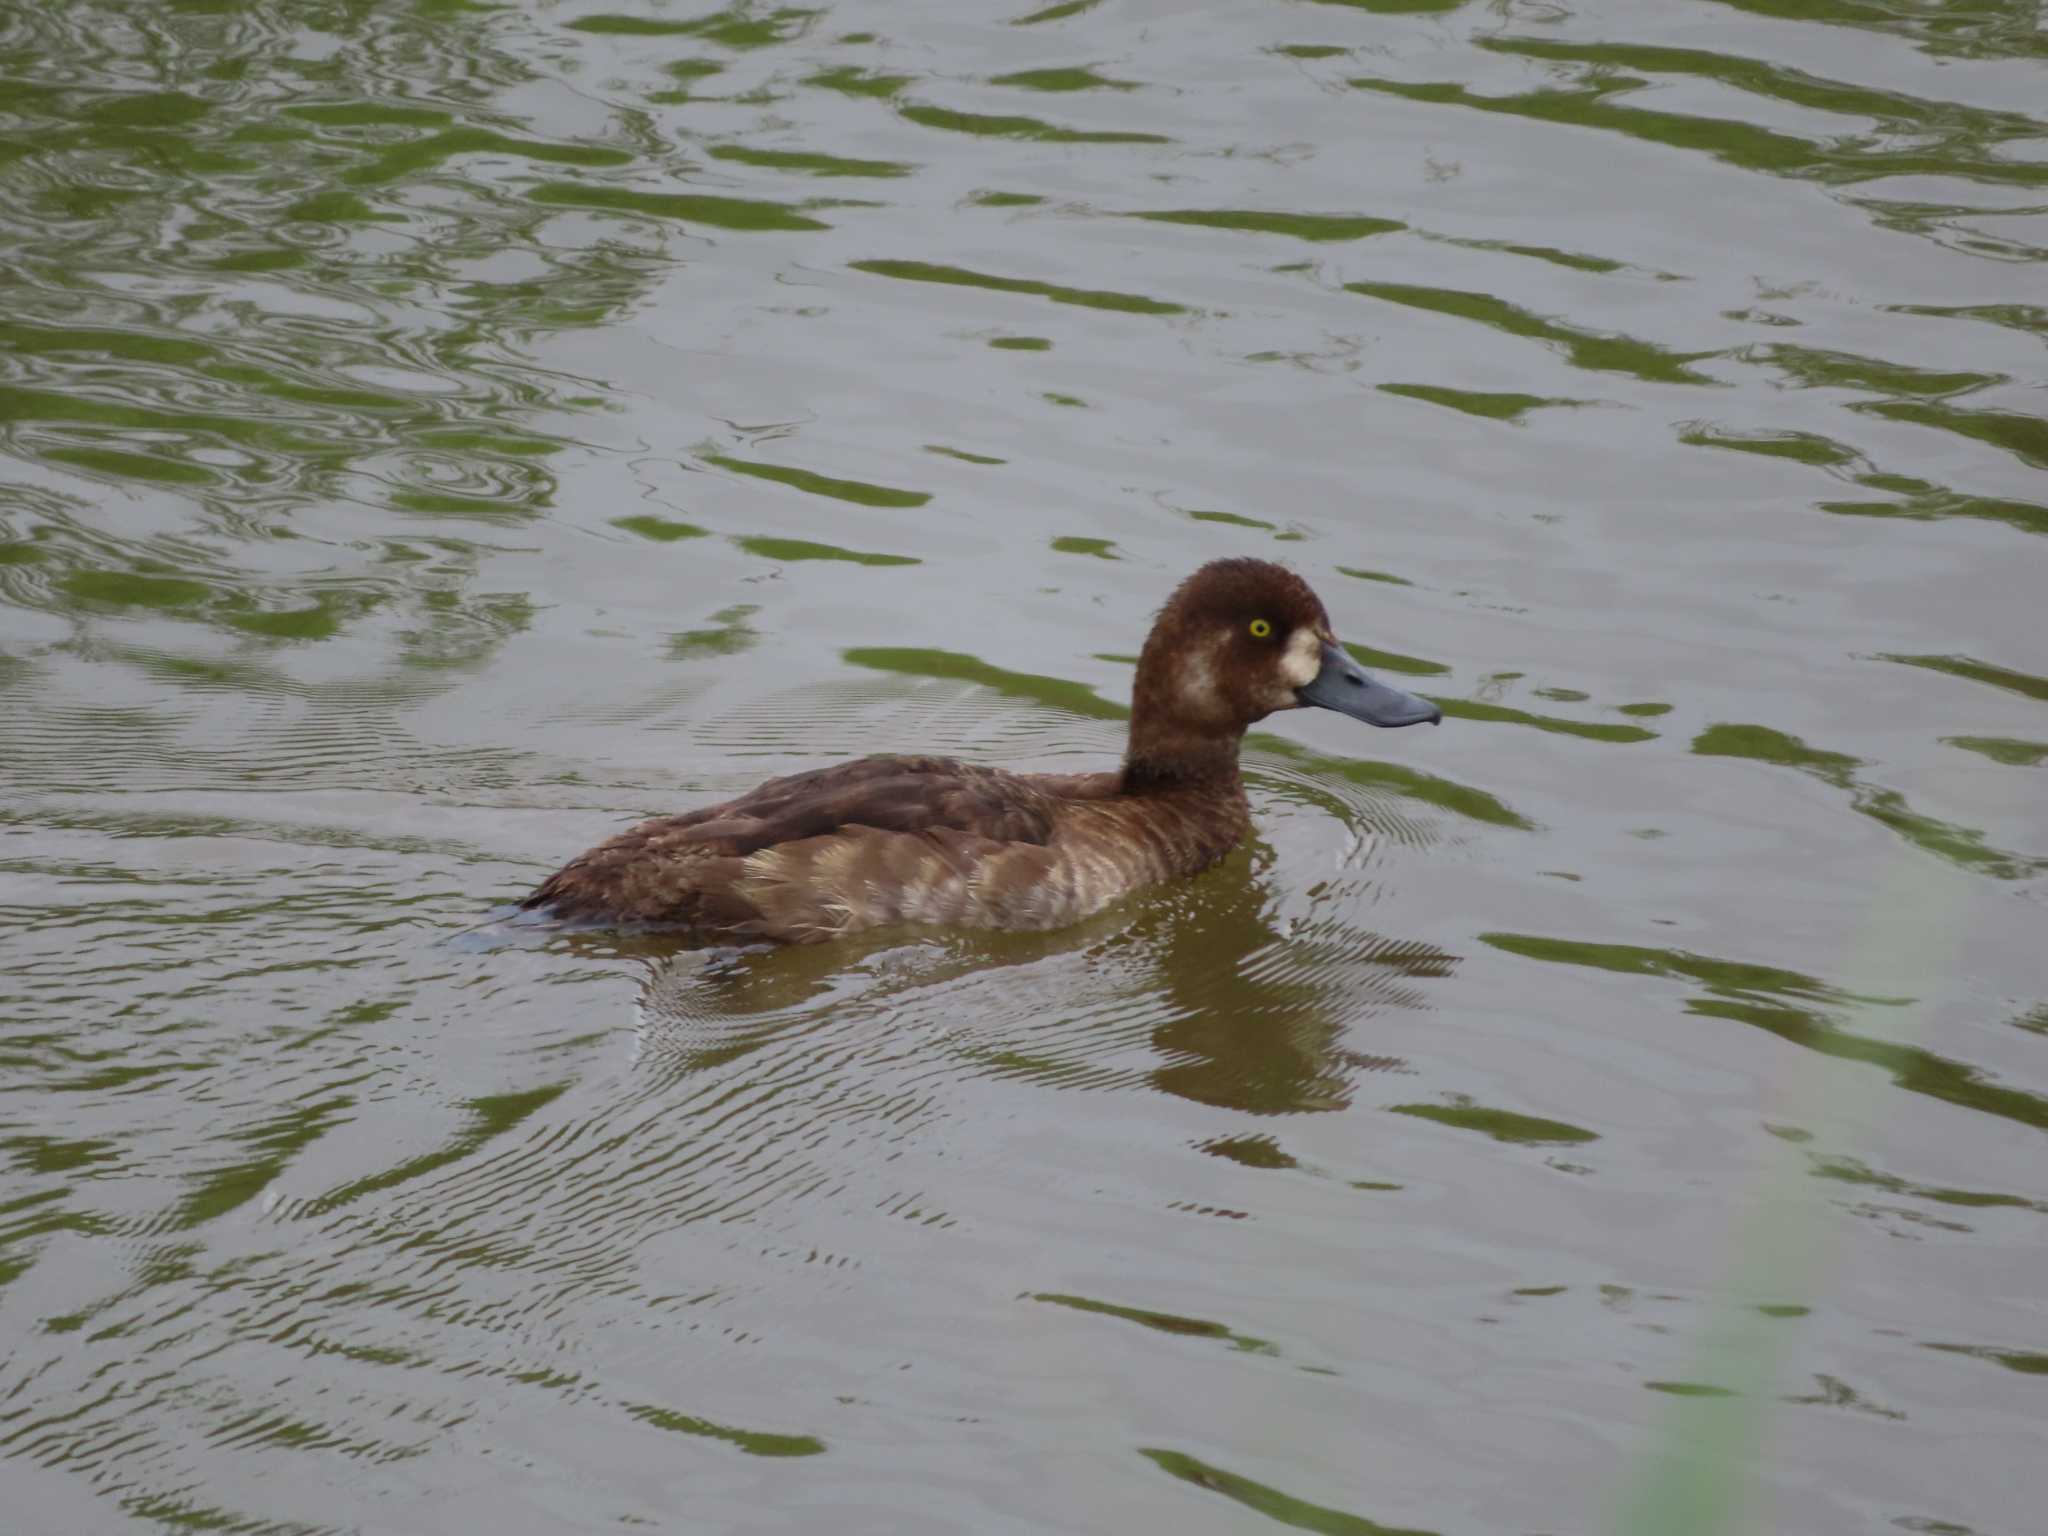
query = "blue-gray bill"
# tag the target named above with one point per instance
(1343, 685)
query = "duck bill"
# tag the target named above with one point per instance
(1343, 685)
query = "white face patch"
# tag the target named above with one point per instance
(1198, 683)
(1303, 658)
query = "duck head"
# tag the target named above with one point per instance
(1237, 641)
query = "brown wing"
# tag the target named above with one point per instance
(690, 869)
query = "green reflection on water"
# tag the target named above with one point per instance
(1281, 1508)
(1160, 1322)
(424, 154)
(1918, 137)
(1075, 544)
(1069, 79)
(1584, 349)
(1005, 126)
(1962, 846)
(754, 1442)
(1969, 28)
(491, 1116)
(860, 492)
(1495, 406)
(2003, 749)
(2009, 679)
(2026, 1362)
(1501, 1124)
(1850, 1170)
(854, 81)
(1800, 447)
(1231, 520)
(1576, 260)
(1086, 298)
(1394, 661)
(2024, 437)
(792, 550)
(1588, 730)
(729, 636)
(1793, 1007)
(1319, 227)
(737, 27)
(810, 162)
(1058, 12)
(662, 530)
(740, 213)
(276, 1142)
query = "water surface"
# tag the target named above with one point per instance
(432, 435)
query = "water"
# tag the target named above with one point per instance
(435, 434)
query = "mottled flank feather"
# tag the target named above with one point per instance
(890, 840)
(930, 840)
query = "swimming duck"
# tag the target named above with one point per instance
(933, 840)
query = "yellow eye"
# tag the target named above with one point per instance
(1261, 629)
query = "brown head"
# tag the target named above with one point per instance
(1238, 640)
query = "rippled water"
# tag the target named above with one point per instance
(433, 434)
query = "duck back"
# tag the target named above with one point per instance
(892, 840)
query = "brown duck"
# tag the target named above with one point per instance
(932, 840)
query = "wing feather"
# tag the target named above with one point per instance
(701, 869)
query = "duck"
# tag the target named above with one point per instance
(935, 841)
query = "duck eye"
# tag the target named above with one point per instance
(1261, 629)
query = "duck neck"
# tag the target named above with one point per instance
(1163, 760)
